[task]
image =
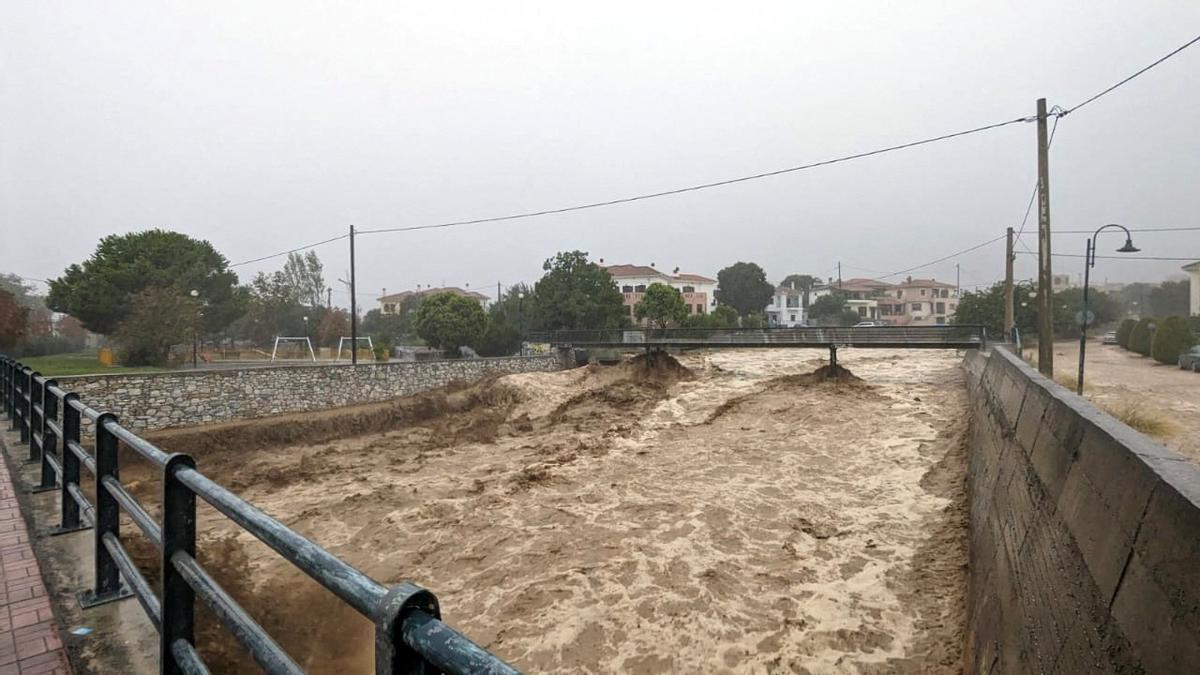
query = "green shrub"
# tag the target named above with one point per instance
(1124, 331)
(1194, 324)
(1172, 338)
(1139, 338)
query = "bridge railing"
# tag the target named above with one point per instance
(410, 636)
(817, 336)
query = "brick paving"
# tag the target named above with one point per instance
(29, 641)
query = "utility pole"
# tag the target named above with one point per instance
(329, 298)
(1045, 275)
(1009, 320)
(839, 276)
(497, 292)
(957, 279)
(353, 306)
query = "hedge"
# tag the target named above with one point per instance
(1124, 331)
(1139, 338)
(1172, 338)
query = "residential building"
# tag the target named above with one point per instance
(1193, 270)
(699, 292)
(869, 298)
(787, 308)
(393, 304)
(925, 302)
(1061, 282)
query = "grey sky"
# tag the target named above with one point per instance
(260, 126)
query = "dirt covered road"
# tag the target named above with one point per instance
(725, 514)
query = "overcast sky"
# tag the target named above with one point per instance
(265, 125)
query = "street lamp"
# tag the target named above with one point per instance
(195, 337)
(1089, 261)
(521, 319)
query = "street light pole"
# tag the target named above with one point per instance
(195, 337)
(1089, 261)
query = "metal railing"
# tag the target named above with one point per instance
(409, 634)
(948, 336)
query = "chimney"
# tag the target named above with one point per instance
(909, 279)
(384, 292)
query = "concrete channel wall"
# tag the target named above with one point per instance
(157, 400)
(1084, 534)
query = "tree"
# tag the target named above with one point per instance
(159, 318)
(1124, 331)
(1171, 298)
(100, 291)
(662, 305)
(515, 306)
(802, 282)
(744, 287)
(1172, 338)
(14, 320)
(334, 325)
(500, 339)
(827, 310)
(721, 317)
(577, 294)
(1070, 302)
(1140, 337)
(303, 280)
(397, 327)
(448, 321)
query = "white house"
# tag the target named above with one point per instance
(1193, 270)
(787, 308)
(699, 292)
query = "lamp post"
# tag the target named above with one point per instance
(1089, 261)
(521, 319)
(195, 337)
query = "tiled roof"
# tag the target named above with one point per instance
(695, 277)
(924, 283)
(404, 295)
(621, 271)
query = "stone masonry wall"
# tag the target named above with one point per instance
(1084, 535)
(159, 400)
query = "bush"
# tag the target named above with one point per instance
(500, 338)
(1124, 331)
(158, 319)
(1172, 338)
(1139, 338)
(448, 321)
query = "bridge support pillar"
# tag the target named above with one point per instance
(833, 358)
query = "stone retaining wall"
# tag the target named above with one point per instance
(1084, 534)
(154, 401)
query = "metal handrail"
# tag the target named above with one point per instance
(954, 335)
(410, 636)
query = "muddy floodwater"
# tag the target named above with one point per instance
(726, 513)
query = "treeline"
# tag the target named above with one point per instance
(1161, 339)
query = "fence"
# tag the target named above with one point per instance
(409, 634)
(949, 336)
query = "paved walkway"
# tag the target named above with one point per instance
(29, 641)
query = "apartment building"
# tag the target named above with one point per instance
(394, 303)
(699, 292)
(924, 302)
(869, 298)
(787, 308)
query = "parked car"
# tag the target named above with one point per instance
(870, 324)
(1109, 338)
(1190, 360)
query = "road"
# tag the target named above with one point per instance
(1115, 378)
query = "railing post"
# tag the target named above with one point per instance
(68, 507)
(178, 536)
(49, 438)
(392, 655)
(35, 418)
(108, 520)
(26, 378)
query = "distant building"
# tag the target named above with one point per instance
(787, 308)
(699, 292)
(1061, 282)
(926, 302)
(1193, 270)
(392, 304)
(871, 299)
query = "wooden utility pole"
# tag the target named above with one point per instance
(1009, 320)
(353, 306)
(1045, 275)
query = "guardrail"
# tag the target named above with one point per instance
(410, 636)
(949, 336)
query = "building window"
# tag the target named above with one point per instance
(629, 310)
(941, 320)
(922, 291)
(689, 309)
(899, 294)
(389, 308)
(916, 307)
(699, 307)
(689, 289)
(940, 308)
(862, 311)
(793, 318)
(640, 288)
(627, 289)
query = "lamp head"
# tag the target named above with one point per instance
(1128, 247)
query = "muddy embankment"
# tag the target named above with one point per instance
(733, 512)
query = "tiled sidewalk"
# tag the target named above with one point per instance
(29, 641)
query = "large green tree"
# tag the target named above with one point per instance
(985, 307)
(449, 321)
(99, 292)
(159, 318)
(575, 293)
(14, 320)
(828, 310)
(744, 287)
(661, 305)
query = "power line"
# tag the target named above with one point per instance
(945, 258)
(1189, 43)
(291, 250)
(702, 186)
(1115, 257)
(1136, 229)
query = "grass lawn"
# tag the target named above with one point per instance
(79, 363)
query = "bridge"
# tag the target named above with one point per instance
(831, 338)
